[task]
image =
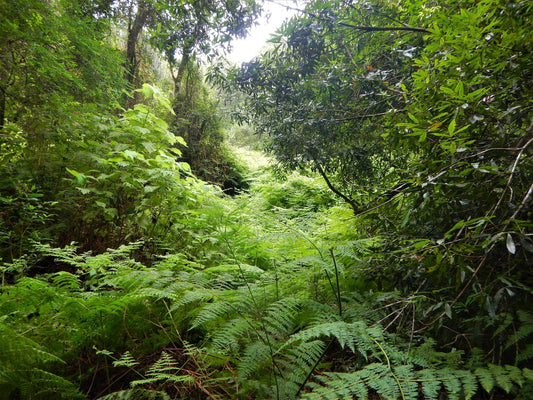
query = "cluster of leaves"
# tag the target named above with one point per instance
(419, 117)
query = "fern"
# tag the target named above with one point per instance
(163, 371)
(452, 384)
(126, 360)
(402, 380)
(354, 336)
(299, 363)
(136, 394)
(280, 316)
(228, 336)
(431, 385)
(256, 357)
(524, 332)
(210, 312)
(27, 367)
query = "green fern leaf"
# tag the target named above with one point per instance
(226, 338)
(193, 296)
(451, 383)
(528, 374)
(526, 353)
(469, 383)
(380, 379)
(406, 377)
(338, 386)
(354, 336)
(515, 374)
(66, 280)
(257, 356)
(163, 378)
(430, 383)
(126, 360)
(298, 363)
(485, 378)
(502, 377)
(526, 327)
(165, 364)
(280, 316)
(210, 312)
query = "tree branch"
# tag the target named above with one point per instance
(335, 190)
(356, 27)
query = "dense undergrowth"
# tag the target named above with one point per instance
(270, 297)
(387, 256)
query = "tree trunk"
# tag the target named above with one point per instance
(185, 58)
(134, 31)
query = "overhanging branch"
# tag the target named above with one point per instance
(356, 27)
(334, 189)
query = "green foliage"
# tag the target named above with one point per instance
(198, 121)
(322, 94)
(123, 177)
(280, 292)
(28, 370)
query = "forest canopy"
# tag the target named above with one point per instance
(348, 215)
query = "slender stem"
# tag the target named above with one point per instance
(337, 278)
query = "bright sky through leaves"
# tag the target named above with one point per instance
(246, 49)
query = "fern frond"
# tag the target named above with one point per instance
(210, 312)
(22, 367)
(339, 385)
(198, 295)
(406, 378)
(452, 384)
(126, 360)
(431, 384)
(165, 364)
(349, 335)
(502, 377)
(526, 353)
(256, 357)
(163, 379)
(66, 280)
(227, 336)
(299, 363)
(526, 328)
(164, 370)
(136, 394)
(468, 382)
(280, 316)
